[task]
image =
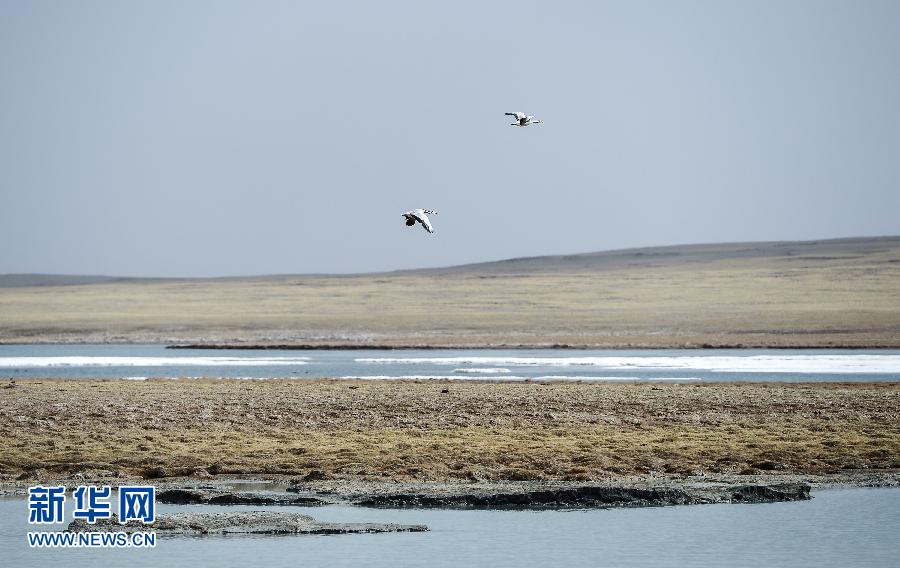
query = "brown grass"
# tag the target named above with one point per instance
(846, 299)
(410, 430)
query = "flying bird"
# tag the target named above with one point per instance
(522, 119)
(420, 216)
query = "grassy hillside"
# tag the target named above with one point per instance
(825, 293)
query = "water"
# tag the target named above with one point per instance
(850, 527)
(142, 361)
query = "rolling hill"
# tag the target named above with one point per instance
(842, 292)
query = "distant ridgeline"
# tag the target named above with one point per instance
(830, 293)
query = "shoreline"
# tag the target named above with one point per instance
(627, 492)
(475, 346)
(517, 346)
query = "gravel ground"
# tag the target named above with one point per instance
(330, 431)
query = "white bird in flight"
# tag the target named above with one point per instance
(523, 119)
(420, 216)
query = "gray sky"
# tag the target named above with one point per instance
(226, 138)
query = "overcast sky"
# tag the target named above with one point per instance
(229, 138)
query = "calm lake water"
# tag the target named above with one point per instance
(851, 527)
(142, 361)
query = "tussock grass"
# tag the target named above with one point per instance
(409, 430)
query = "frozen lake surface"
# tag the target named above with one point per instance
(144, 361)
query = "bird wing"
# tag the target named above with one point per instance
(423, 218)
(518, 115)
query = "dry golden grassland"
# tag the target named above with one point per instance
(845, 299)
(415, 430)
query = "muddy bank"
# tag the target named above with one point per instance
(212, 496)
(500, 496)
(631, 491)
(240, 523)
(589, 497)
(642, 491)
